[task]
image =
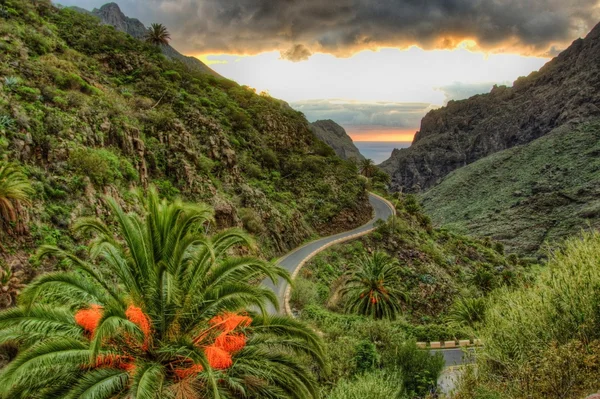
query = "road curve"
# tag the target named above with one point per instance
(294, 260)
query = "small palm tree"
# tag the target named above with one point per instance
(160, 311)
(371, 289)
(158, 35)
(466, 313)
(15, 190)
(367, 167)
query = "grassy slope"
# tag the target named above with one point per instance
(89, 111)
(526, 196)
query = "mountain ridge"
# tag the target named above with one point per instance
(565, 90)
(111, 14)
(336, 137)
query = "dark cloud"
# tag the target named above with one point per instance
(342, 27)
(398, 115)
(296, 53)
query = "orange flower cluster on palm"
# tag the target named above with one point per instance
(218, 354)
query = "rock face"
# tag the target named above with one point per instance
(111, 14)
(565, 90)
(337, 138)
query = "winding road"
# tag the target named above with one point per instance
(294, 260)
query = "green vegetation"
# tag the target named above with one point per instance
(85, 109)
(527, 196)
(543, 341)
(369, 288)
(440, 283)
(15, 191)
(162, 312)
(436, 270)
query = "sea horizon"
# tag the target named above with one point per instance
(379, 151)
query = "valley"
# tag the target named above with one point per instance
(169, 233)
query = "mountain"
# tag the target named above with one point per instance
(337, 138)
(111, 14)
(566, 90)
(88, 111)
(526, 196)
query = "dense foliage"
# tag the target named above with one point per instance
(159, 311)
(86, 109)
(441, 282)
(437, 273)
(544, 341)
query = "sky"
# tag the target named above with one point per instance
(374, 66)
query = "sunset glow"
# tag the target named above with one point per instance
(380, 133)
(375, 68)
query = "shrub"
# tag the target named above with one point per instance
(304, 293)
(377, 385)
(102, 166)
(535, 329)
(6, 123)
(420, 369)
(366, 358)
(11, 82)
(251, 221)
(411, 204)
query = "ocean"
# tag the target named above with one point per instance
(379, 151)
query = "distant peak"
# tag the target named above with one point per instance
(110, 8)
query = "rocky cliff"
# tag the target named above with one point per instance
(337, 138)
(566, 90)
(111, 14)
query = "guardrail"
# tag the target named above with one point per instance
(462, 343)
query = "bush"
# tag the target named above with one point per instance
(537, 329)
(102, 166)
(420, 369)
(377, 385)
(251, 221)
(366, 358)
(304, 293)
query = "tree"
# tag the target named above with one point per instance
(159, 311)
(367, 167)
(15, 191)
(371, 289)
(466, 312)
(158, 35)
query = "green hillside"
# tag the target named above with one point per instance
(526, 196)
(87, 110)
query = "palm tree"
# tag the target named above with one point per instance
(367, 167)
(14, 191)
(158, 35)
(160, 311)
(371, 289)
(466, 312)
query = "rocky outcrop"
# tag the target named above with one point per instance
(111, 14)
(565, 90)
(336, 137)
